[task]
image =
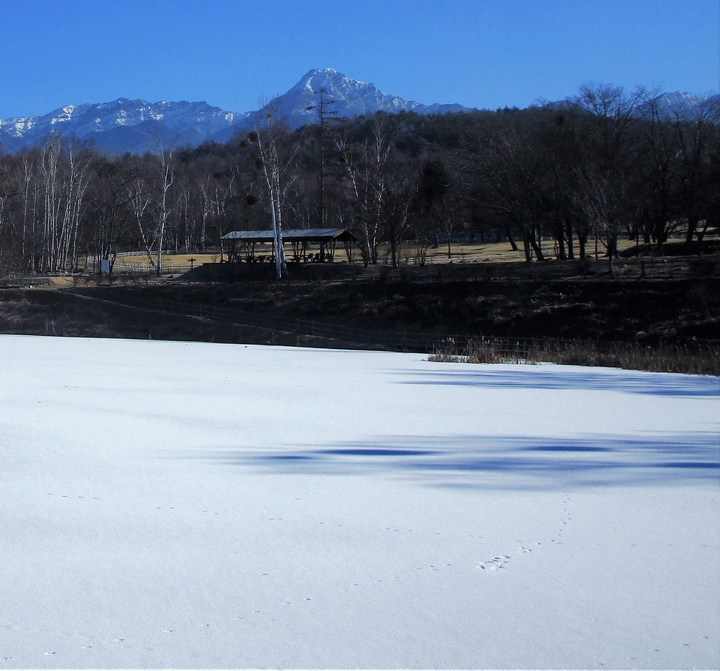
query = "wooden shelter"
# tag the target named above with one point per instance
(243, 245)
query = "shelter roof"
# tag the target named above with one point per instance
(294, 235)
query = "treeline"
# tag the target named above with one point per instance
(604, 165)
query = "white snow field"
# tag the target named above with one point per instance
(190, 505)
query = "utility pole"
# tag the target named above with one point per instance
(323, 115)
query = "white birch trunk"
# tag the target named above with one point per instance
(167, 175)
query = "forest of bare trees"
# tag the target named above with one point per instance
(603, 166)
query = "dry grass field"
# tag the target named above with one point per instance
(469, 252)
(171, 262)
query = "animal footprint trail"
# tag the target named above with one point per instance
(495, 564)
(500, 562)
(563, 523)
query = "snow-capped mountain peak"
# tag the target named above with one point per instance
(680, 104)
(313, 80)
(345, 97)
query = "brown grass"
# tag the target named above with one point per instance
(703, 359)
(461, 252)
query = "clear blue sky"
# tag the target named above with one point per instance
(479, 53)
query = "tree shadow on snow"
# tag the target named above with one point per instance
(503, 462)
(550, 377)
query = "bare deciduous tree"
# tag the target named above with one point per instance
(269, 141)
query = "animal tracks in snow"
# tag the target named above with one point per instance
(500, 562)
(494, 564)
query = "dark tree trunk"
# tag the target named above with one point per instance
(526, 247)
(582, 240)
(611, 253)
(536, 245)
(560, 236)
(569, 237)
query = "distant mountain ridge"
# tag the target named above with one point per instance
(137, 126)
(682, 104)
(122, 125)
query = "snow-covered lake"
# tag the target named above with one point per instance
(203, 505)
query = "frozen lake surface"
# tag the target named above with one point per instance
(203, 505)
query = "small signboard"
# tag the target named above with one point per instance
(105, 266)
